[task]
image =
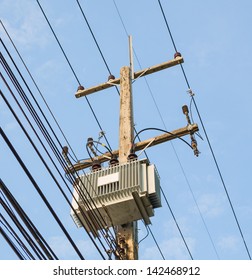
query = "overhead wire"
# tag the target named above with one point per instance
(28, 223)
(11, 244)
(206, 134)
(34, 183)
(68, 61)
(104, 234)
(50, 141)
(92, 33)
(159, 129)
(37, 87)
(48, 169)
(23, 231)
(18, 240)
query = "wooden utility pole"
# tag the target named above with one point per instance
(126, 234)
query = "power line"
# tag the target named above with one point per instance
(205, 132)
(27, 172)
(29, 224)
(11, 244)
(23, 231)
(12, 232)
(38, 121)
(92, 33)
(40, 156)
(36, 85)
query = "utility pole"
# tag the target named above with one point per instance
(126, 234)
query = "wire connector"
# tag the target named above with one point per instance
(189, 91)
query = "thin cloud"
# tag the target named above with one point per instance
(172, 249)
(64, 250)
(211, 205)
(228, 242)
(28, 30)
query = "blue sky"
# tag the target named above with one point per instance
(215, 40)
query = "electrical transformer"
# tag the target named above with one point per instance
(116, 195)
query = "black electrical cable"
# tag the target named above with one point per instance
(90, 29)
(33, 112)
(60, 174)
(12, 232)
(27, 172)
(159, 129)
(23, 231)
(48, 169)
(26, 99)
(147, 234)
(205, 132)
(89, 145)
(37, 89)
(36, 85)
(11, 244)
(29, 224)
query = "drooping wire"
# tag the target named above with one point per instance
(159, 129)
(206, 134)
(147, 234)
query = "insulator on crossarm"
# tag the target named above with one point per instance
(111, 77)
(80, 87)
(177, 54)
